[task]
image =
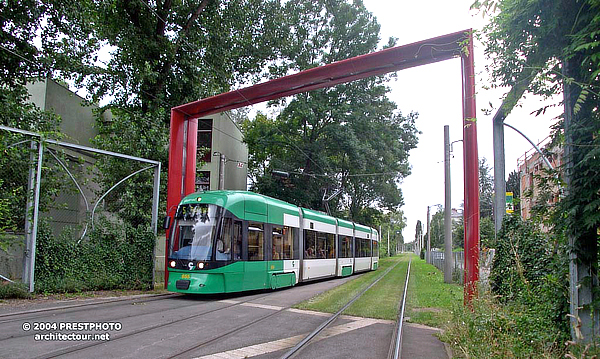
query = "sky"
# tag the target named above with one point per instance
(434, 91)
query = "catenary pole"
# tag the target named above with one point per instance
(448, 265)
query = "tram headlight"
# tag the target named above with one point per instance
(172, 264)
(200, 265)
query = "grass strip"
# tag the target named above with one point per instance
(381, 301)
(430, 301)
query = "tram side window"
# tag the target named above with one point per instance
(361, 248)
(288, 242)
(223, 247)
(310, 244)
(256, 241)
(330, 245)
(237, 240)
(375, 249)
(364, 249)
(277, 243)
(345, 246)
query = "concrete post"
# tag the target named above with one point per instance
(428, 237)
(448, 265)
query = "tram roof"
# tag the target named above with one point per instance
(346, 224)
(318, 216)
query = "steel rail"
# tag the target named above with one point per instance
(326, 323)
(146, 298)
(76, 348)
(397, 352)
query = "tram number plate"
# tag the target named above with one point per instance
(185, 276)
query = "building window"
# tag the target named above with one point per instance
(202, 181)
(204, 144)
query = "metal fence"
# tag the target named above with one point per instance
(485, 263)
(61, 184)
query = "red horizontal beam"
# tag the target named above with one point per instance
(356, 68)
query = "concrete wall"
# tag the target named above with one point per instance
(227, 139)
(77, 117)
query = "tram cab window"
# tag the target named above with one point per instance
(256, 241)
(223, 244)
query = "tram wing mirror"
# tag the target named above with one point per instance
(167, 222)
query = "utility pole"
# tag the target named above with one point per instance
(448, 265)
(428, 237)
(388, 246)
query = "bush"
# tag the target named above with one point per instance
(14, 290)
(523, 259)
(490, 329)
(114, 257)
(530, 271)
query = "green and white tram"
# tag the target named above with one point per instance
(231, 241)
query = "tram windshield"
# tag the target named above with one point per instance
(194, 232)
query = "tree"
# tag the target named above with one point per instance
(418, 232)
(347, 137)
(548, 47)
(392, 223)
(486, 189)
(436, 226)
(161, 54)
(513, 184)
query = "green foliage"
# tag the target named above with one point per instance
(513, 184)
(115, 257)
(486, 189)
(487, 232)
(381, 301)
(487, 329)
(430, 301)
(344, 137)
(392, 223)
(436, 225)
(458, 233)
(14, 290)
(140, 136)
(530, 269)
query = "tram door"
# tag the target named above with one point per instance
(255, 276)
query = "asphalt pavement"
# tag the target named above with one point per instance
(258, 324)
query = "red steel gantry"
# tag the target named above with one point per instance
(184, 120)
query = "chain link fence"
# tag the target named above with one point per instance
(485, 264)
(61, 191)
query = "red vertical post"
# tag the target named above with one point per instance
(471, 171)
(174, 180)
(191, 151)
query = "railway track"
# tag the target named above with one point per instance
(396, 345)
(77, 348)
(209, 341)
(44, 312)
